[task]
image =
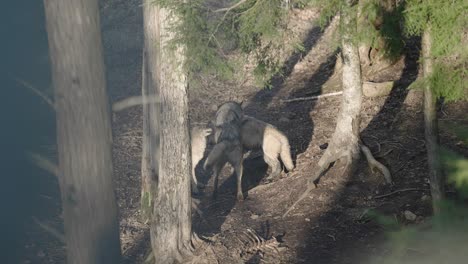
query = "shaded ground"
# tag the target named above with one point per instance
(331, 226)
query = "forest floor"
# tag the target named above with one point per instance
(332, 224)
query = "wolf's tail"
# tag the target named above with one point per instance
(215, 154)
(285, 152)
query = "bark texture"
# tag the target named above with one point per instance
(151, 111)
(171, 224)
(83, 132)
(345, 139)
(431, 127)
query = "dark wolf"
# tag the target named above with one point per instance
(198, 144)
(228, 145)
(258, 134)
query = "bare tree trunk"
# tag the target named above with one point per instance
(83, 131)
(150, 149)
(431, 127)
(345, 139)
(171, 226)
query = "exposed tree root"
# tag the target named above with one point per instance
(324, 164)
(193, 252)
(374, 164)
(331, 155)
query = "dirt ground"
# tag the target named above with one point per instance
(331, 225)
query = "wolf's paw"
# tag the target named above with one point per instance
(240, 197)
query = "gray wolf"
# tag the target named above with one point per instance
(228, 146)
(198, 145)
(258, 134)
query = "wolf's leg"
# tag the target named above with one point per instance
(217, 168)
(274, 165)
(235, 158)
(238, 169)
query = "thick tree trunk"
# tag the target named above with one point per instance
(150, 148)
(171, 226)
(345, 139)
(431, 128)
(83, 131)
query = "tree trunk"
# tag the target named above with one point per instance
(345, 139)
(83, 132)
(150, 148)
(171, 226)
(431, 127)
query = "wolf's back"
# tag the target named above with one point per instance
(256, 133)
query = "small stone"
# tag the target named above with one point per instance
(226, 226)
(284, 119)
(214, 107)
(410, 216)
(307, 219)
(254, 216)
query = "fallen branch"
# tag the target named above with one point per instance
(374, 164)
(399, 191)
(132, 101)
(302, 197)
(311, 97)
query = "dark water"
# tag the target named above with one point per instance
(27, 125)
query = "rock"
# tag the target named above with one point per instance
(284, 119)
(410, 216)
(371, 89)
(307, 219)
(254, 216)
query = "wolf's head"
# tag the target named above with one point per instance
(226, 125)
(229, 112)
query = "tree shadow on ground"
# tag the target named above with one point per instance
(343, 234)
(255, 169)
